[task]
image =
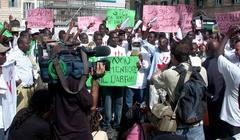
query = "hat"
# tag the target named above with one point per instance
(6, 32)
(137, 39)
(15, 29)
(3, 49)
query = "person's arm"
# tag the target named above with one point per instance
(71, 25)
(94, 93)
(145, 34)
(231, 32)
(77, 34)
(95, 87)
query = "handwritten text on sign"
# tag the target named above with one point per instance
(40, 18)
(167, 17)
(186, 14)
(123, 72)
(225, 20)
(83, 22)
(117, 16)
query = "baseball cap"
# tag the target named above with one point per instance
(3, 49)
(6, 32)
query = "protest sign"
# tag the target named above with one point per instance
(40, 18)
(186, 14)
(83, 22)
(123, 72)
(167, 17)
(225, 20)
(117, 16)
(9, 101)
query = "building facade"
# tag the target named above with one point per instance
(208, 7)
(65, 10)
(17, 8)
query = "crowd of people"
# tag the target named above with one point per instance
(47, 111)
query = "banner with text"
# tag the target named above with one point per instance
(40, 18)
(167, 18)
(123, 72)
(83, 22)
(186, 15)
(118, 16)
(9, 101)
(225, 20)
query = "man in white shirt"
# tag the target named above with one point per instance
(102, 30)
(3, 87)
(150, 43)
(230, 70)
(136, 92)
(24, 72)
(113, 94)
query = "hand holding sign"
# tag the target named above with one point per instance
(71, 24)
(90, 22)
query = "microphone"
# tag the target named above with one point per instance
(97, 51)
(102, 51)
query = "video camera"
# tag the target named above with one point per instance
(71, 62)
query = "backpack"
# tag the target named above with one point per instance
(190, 96)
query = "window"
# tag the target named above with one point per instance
(40, 3)
(218, 2)
(27, 6)
(12, 3)
(236, 1)
(200, 3)
(187, 1)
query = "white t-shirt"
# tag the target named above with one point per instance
(149, 47)
(24, 67)
(3, 91)
(159, 60)
(118, 51)
(142, 73)
(230, 111)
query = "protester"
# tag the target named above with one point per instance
(136, 92)
(103, 32)
(113, 95)
(168, 80)
(230, 70)
(24, 72)
(3, 88)
(216, 88)
(33, 122)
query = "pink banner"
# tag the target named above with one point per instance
(167, 17)
(186, 14)
(225, 20)
(40, 18)
(83, 22)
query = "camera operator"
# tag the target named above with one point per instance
(71, 110)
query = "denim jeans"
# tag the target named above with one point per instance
(112, 95)
(134, 95)
(192, 133)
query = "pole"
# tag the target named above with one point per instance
(139, 9)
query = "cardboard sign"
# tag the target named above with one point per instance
(83, 22)
(167, 17)
(9, 101)
(225, 20)
(118, 16)
(123, 72)
(186, 14)
(40, 18)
